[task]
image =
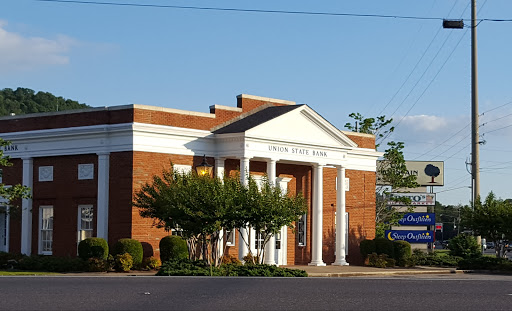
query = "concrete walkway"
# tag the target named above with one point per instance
(348, 271)
(326, 271)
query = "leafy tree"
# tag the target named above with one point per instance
(392, 173)
(14, 192)
(267, 209)
(377, 127)
(23, 101)
(491, 219)
(201, 207)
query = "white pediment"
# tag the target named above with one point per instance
(302, 125)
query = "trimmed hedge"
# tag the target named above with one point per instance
(486, 263)
(384, 246)
(129, 246)
(367, 247)
(52, 264)
(93, 248)
(186, 267)
(173, 247)
(435, 259)
(402, 250)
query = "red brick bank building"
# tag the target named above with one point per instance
(84, 167)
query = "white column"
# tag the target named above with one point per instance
(103, 192)
(243, 250)
(270, 248)
(219, 173)
(26, 208)
(317, 215)
(219, 167)
(341, 225)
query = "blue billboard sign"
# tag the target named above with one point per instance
(418, 219)
(411, 236)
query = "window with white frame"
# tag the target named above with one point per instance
(1, 176)
(85, 222)
(230, 237)
(301, 231)
(258, 239)
(177, 231)
(45, 230)
(182, 169)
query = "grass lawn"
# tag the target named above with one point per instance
(35, 273)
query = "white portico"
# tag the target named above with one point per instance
(296, 135)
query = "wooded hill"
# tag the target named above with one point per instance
(23, 101)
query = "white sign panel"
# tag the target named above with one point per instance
(428, 173)
(417, 199)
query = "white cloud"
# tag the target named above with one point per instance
(430, 128)
(20, 53)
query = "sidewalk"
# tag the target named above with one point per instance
(313, 271)
(348, 271)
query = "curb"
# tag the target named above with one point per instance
(350, 274)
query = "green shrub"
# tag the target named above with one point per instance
(151, 263)
(366, 247)
(52, 264)
(230, 259)
(173, 247)
(435, 259)
(402, 250)
(130, 246)
(123, 262)
(486, 263)
(201, 268)
(377, 260)
(10, 260)
(93, 248)
(384, 246)
(250, 259)
(464, 246)
(95, 264)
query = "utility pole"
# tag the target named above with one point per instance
(475, 144)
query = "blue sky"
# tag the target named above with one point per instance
(190, 59)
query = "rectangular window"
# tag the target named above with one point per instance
(85, 222)
(258, 240)
(301, 231)
(45, 230)
(230, 237)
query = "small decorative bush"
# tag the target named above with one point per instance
(366, 247)
(151, 263)
(435, 259)
(93, 248)
(230, 259)
(380, 261)
(123, 262)
(250, 259)
(402, 250)
(384, 246)
(10, 260)
(130, 246)
(95, 264)
(464, 246)
(173, 247)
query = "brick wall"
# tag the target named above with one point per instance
(64, 193)
(362, 140)
(13, 175)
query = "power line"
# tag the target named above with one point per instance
(453, 189)
(149, 5)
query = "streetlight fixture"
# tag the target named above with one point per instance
(204, 168)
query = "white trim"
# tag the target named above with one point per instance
(182, 168)
(85, 171)
(228, 108)
(233, 237)
(40, 238)
(4, 209)
(26, 208)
